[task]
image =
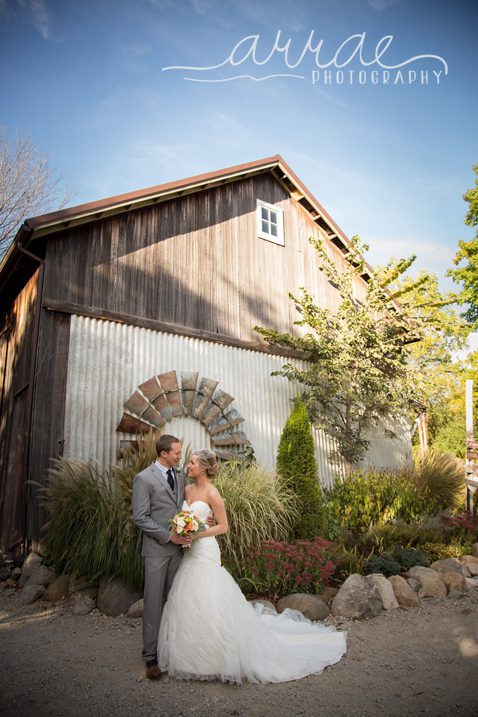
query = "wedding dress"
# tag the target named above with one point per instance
(210, 631)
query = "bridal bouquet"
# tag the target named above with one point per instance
(185, 523)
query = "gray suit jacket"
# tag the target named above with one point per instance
(154, 504)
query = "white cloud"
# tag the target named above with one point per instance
(40, 15)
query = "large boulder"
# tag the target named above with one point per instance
(30, 593)
(30, 564)
(454, 582)
(385, 588)
(474, 550)
(328, 594)
(58, 589)
(80, 604)
(357, 598)
(431, 584)
(114, 598)
(136, 609)
(471, 563)
(450, 565)
(311, 606)
(472, 582)
(41, 576)
(404, 593)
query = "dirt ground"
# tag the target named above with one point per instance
(403, 662)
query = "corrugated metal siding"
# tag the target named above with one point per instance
(108, 361)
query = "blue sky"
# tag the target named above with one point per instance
(389, 161)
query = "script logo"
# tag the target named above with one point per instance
(310, 57)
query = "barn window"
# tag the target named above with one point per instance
(270, 222)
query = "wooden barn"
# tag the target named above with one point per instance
(138, 311)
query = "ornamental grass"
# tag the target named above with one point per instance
(259, 507)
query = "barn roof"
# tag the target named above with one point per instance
(36, 227)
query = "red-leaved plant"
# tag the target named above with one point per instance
(278, 568)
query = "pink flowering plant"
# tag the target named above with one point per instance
(278, 568)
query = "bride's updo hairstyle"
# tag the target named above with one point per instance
(207, 461)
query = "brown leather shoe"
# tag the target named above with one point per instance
(153, 672)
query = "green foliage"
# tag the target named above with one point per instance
(90, 529)
(451, 437)
(440, 551)
(259, 507)
(297, 468)
(408, 557)
(374, 498)
(384, 564)
(277, 568)
(468, 252)
(441, 477)
(350, 560)
(358, 371)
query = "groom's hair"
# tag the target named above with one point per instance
(165, 443)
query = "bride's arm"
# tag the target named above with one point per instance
(217, 504)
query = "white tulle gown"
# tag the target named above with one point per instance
(209, 631)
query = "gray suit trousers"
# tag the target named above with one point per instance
(158, 577)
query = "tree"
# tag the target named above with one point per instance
(297, 467)
(27, 185)
(468, 251)
(358, 368)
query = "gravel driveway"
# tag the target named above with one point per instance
(403, 662)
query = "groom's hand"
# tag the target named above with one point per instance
(178, 540)
(211, 521)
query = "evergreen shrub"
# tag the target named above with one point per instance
(297, 468)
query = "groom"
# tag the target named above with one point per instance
(158, 494)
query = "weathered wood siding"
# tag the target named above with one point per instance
(16, 355)
(193, 262)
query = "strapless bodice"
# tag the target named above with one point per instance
(199, 508)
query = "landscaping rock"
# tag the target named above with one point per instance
(389, 601)
(58, 589)
(474, 550)
(311, 606)
(449, 565)
(87, 592)
(16, 572)
(30, 564)
(455, 594)
(114, 598)
(328, 594)
(472, 582)
(455, 582)
(136, 609)
(431, 584)
(414, 584)
(30, 593)
(80, 604)
(4, 574)
(41, 576)
(357, 598)
(471, 563)
(404, 593)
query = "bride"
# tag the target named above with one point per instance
(210, 631)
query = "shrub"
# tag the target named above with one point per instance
(276, 568)
(441, 477)
(373, 498)
(90, 530)
(463, 526)
(440, 551)
(297, 468)
(408, 557)
(350, 560)
(259, 507)
(382, 564)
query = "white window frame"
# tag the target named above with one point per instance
(279, 214)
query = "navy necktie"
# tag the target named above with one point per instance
(170, 476)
